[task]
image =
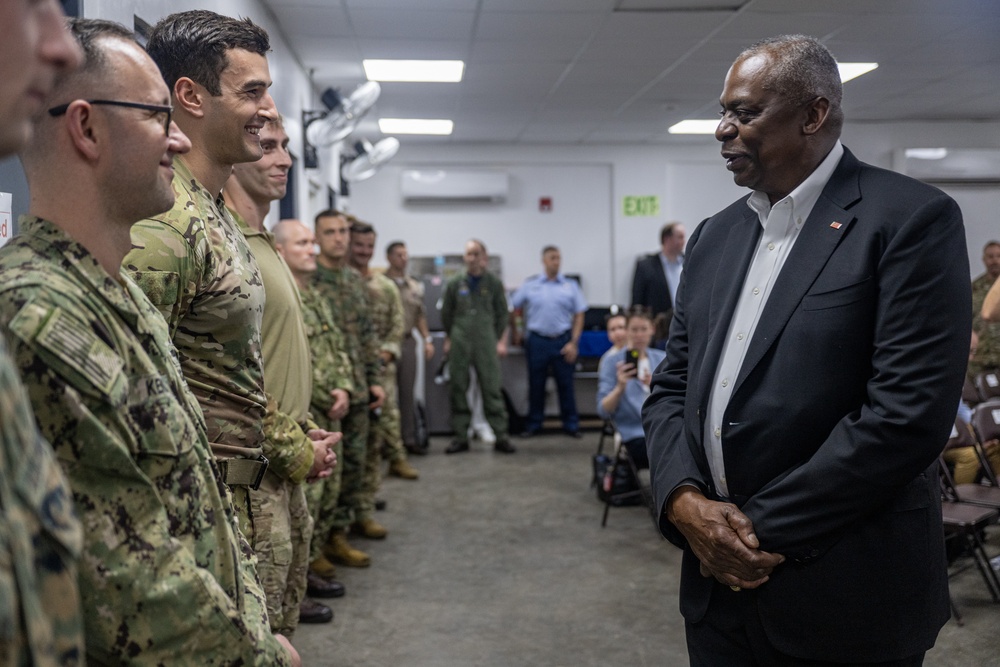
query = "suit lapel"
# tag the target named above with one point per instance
(820, 235)
(736, 256)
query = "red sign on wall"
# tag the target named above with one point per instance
(545, 204)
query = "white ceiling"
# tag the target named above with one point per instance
(623, 71)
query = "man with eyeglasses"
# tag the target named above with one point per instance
(162, 577)
(41, 535)
(192, 261)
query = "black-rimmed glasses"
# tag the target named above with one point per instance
(156, 108)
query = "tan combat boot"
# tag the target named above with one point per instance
(402, 468)
(323, 568)
(370, 528)
(338, 550)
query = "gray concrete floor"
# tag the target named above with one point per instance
(500, 561)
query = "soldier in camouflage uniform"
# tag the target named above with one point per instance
(411, 293)
(332, 388)
(344, 288)
(387, 318)
(41, 537)
(296, 448)
(987, 356)
(193, 261)
(165, 576)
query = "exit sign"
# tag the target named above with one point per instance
(640, 206)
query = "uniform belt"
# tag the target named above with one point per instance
(243, 472)
(556, 337)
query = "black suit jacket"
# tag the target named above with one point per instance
(844, 400)
(649, 285)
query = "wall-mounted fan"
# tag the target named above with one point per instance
(368, 159)
(325, 128)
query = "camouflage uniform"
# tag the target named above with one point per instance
(387, 317)
(987, 356)
(411, 293)
(281, 517)
(332, 369)
(40, 541)
(195, 266)
(344, 288)
(162, 577)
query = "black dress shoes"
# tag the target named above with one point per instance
(504, 447)
(321, 587)
(574, 434)
(456, 446)
(311, 611)
(417, 450)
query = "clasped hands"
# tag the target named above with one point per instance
(722, 538)
(324, 458)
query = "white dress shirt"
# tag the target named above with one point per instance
(782, 224)
(672, 270)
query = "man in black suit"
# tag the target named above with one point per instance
(657, 276)
(816, 354)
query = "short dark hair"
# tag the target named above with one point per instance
(549, 248)
(639, 311)
(194, 44)
(667, 231)
(990, 243)
(87, 33)
(802, 68)
(360, 227)
(392, 246)
(329, 213)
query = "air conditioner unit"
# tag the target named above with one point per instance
(950, 165)
(454, 185)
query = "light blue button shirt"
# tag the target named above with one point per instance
(549, 305)
(628, 415)
(672, 270)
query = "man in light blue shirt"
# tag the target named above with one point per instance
(553, 308)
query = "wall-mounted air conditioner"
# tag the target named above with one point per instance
(950, 165)
(454, 185)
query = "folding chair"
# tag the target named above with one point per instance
(962, 435)
(986, 426)
(970, 393)
(965, 522)
(988, 384)
(623, 458)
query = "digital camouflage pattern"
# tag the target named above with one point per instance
(196, 267)
(331, 370)
(165, 576)
(345, 290)
(987, 356)
(388, 319)
(40, 541)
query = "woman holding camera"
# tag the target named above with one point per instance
(623, 384)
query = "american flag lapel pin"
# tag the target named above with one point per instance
(836, 225)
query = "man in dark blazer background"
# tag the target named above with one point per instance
(651, 286)
(816, 355)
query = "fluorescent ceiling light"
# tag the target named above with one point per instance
(415, 126)
(927, 153)
(694, 127)
(446, 71)
(850, 71)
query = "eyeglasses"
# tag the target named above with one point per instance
(156, 108)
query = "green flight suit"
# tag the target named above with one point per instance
(474, 319)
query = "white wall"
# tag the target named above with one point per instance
(586, 183)
(690, 180)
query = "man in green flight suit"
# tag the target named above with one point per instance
(166, 576)
(474, 315)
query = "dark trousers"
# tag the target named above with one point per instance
(406, 376)
(544, 357)
(731, 634)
